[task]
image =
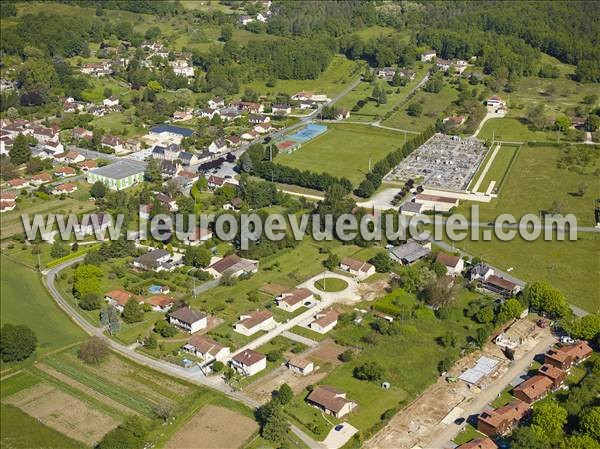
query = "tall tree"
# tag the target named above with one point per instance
(17, 342)
(20, 152)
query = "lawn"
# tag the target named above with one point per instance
(409, 358)
(334, 79)
(344, 150)
(513, 129)
(95, 93)
(434, 106)
(118, 123)
(467, 434)
(25, 301)
(331, 284)
(498, 171)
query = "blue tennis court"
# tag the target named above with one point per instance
(308, 132)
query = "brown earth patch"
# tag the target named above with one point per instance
(63, 412)
(85, 389)
(214, 428)
(273, 289)
(327, 351)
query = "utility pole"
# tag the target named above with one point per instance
(369, 163)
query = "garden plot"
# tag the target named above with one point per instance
(214, 428)
(63, 412)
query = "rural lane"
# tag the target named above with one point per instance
(480, 402)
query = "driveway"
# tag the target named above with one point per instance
(337, 438)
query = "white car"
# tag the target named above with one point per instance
(566, 340)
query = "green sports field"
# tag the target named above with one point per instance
(344, 150)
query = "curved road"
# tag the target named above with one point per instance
(195, 377)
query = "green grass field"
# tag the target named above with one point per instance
(340, 72)
(499, 168)
(25, 301)
(95, 93)
(434, 106)
(344, 150)
(513, 129)
(331, 285)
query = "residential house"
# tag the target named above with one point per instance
(565, 356)
(410, 252)
(198, 236)
(428, 56)
(324, 321)
(208, 113)
(357, 268)
(497, 422)
(234, 265)
(554, 373)
(168, 202)
(443, 64)
(459, 65)
(54, 147)
(409, 74)
(331, 401)
(7, 205)
(70, 157)
(216, 103)
(259, 119)
(300, 366)
(436, 202)
(480, 271)
(454, 264)
(249, 362)
(114, 143)
(533, 389)
(250, 135)
(170, 169)
(214, 182)
(70, 105)
(307, 104)
(228, 114)
(155, 260)
(64, 189)
(478, 443)
(234, 204)
(501, 286)
(342, 114)
(119, 298)
(386, 72)
(217, 146)
(118, 175)
(110, 102)
(252, 322)
(160, 303)
(455, 120)
(88, 165)
(263, 129)
(249, 106)
(281, 109)
(18, 183)
(292, 300)
(40, 178)
(65, 172)
(181, 116)
(233, 141)
(245, 20)
(189, 320)
(181, 67)
(495, 102)
(206, 348)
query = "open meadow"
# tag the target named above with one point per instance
(344, 151)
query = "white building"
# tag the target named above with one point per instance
(189, 320)
(428, 56)
(300, 366)
(324, 321)
(357, 268)
(249, 362)
(454, 264)
(206, 348)
(252, 322)
(292, 300)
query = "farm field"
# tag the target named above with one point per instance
(434, 106)
(513, 129)
(25, 301)
(334, 79)
(344, 150)
(213, 426)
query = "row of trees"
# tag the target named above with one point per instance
(374, 178)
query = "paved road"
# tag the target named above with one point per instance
(442, 437)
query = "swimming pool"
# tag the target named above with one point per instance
(155, 289)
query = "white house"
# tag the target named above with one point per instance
(54, 147)
(293, 299)
(118, 298)
(182, 68)
(198, 236)
(156, 260)
(249, 362)
(159, 303)
(234, 265)
(206, 348)
(324, 321)
(114, 143)
(189, 320)
(300, 366)
(454, 264)
(64, 189)
(217, 146)
(331, 401)
(252, 322)
(281, 109)
(357, 268)
(216, 103)
(110, 102)
(428, 56)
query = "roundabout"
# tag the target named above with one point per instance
(331, 284)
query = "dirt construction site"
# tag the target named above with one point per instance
(430, 413)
